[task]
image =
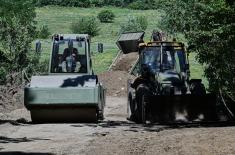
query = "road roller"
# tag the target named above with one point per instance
(70, 92)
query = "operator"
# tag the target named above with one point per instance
(70, 62)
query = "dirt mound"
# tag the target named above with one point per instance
(124, 62)
(115, 82)
(11, 96)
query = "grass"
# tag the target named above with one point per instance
(58, 19)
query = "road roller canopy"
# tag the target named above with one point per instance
(70, 54)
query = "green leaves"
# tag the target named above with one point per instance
(106, 16)
(17, 32)
(210, 26)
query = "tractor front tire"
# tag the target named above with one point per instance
(142, 93)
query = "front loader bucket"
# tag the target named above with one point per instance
(128, 42)
(183, 108)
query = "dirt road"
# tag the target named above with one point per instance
(114, 135)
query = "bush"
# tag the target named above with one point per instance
(43, 33)
(106, 16)
(142, 21)
(134, 24)
(86, 25)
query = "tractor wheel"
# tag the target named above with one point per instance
(131, 106)
(141, 100)
(197, 88)
(144, 103)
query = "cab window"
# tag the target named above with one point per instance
(69, 56)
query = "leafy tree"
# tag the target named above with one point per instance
(17, 33)
(210, 26)
(106, 16)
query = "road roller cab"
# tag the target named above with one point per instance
(70, 92)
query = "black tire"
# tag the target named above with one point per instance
(143, 106)
(197, 88)
(130, 109)
(142, 93)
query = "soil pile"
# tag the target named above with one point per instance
(11, 96)
(125, 62)
(115, 80)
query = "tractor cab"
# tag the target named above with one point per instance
(163, 57)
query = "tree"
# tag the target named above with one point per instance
(210, 26)
(17, 32)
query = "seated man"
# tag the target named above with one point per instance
(70, 61)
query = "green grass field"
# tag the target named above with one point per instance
(59, 19)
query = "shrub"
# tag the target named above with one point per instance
(86, 25)
(18, 23)
(142, 21)
(106, 16)
(43, 33)
(134, 24)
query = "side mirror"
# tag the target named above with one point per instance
(38, 47)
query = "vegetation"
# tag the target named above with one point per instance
(86, 25)
(139, 23)
(106, 16)
(142, 4)
(18, 29)
(133, 4)
(43, 33)
(59, 20)
(210, 28)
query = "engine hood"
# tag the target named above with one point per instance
(55, 81)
